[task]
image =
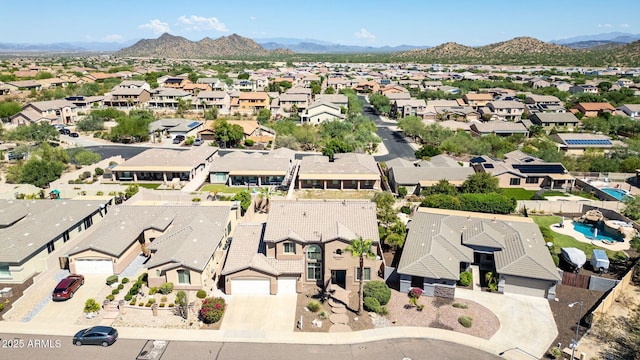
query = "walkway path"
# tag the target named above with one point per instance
(338, 302)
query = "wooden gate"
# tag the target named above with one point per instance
(575, 280)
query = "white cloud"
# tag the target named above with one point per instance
(605, 25)
(113, 37)
(364, 34)
(199, 23)
(156, 26)
(625, 25)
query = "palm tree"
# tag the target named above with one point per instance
(265, 196)
(361, 248)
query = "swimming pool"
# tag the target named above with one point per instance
(617, 193)
(588, 230)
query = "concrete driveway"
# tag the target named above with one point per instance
(259, 314)
(68, 311)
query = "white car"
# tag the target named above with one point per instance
(198, 141)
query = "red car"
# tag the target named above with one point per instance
(67, 287)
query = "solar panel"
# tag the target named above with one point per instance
(588, 142)
(488, 166)
(477, 160)
(540, 168)
(193, 124)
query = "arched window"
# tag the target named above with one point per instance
(314, 253)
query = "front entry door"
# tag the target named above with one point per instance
(339, 277)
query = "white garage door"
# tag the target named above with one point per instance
(525, 286)
(250, 287)
(94, 267)
(287, 285)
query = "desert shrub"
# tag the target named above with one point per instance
(323, 315)
(151, 301)
(163, 299)
(555, 352)
(124, 280)
(249, 142)
(378, 290)
(141, 303)
(420, 307)
(162, 304)
(172, 305)
(153, 290)
(465, 321)
(115, 292)
(402, 191)
(120, 286)
(371, 304)
(91, 305)
(148, 304)
(143, 278)
(383, 311)
(112, 279)
(201, 294)
(128, 297)
(166, 288)
(1, 307)
(405, 210)
(99, 171)
(460, 306)
(133, 302)
(110, 297)
(313, 306)
(465, 278)
(212, 310)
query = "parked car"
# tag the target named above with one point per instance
(198, 141)
(16, 155)
(64, 131)
(97, 335)
(178, 139)
(67, 287)
(74, 134)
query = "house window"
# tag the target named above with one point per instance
(4, 271)
(532, 180)
(158, 273)
(314, 253)
(314, 271)
(367, 274)
(514, 181)
(184, 277)
(289, 248)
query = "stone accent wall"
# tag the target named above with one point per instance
(444, 292)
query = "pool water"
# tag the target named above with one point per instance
(588, 229)
(617, 193)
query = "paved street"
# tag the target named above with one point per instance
(61, 348)
(393, 140)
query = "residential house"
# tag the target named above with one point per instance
(337, 99)
(127, 97)
(593, 109)
(196, 88)
(321, 111)
(51, 111)
(440, 244)
(506, 110)
(249, 102)
(578, 143)
(85, 102)
(164, 165)
(521, 170)
(288, 101)
(24, 85)
(500, 128)
(208, 99)
(555, 120)
(337, 83)
(346, 171)
(169, 98)
(476, 100)
(30, 232)
(176, 82)
(428, 173)
(411, 107)
(214, 83)
(432, 85)
(254, 169)
(630, 110)
(393, 96)
(303, 243)
(370, 87)
(171, 127)
(544, 103)
(585, 88)
(391, 89)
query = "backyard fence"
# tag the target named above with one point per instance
(575, 280)
(565, 207)
(605, 304)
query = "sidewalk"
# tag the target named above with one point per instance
(526, 323)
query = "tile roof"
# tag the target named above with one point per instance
(238, 162)
(28, 225)
(345, 165)
(159, 158)
(321, 221)
(416, 175)
(438, 240)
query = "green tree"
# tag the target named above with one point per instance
(90, 123)
(427, 151)
(632, 208)
(211, 113)
(131, 190)
(264, 115)
(315, 88)
(384, 208)
(442, 187)
(604, 86)
(8, 109)
(480, 183)
(230, 134)
(412, 126)
(361, 249)
(329, 90)
(245, 200)
(40, 172)
(381, 103)
(86, 157)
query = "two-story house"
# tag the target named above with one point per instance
(411, 107)
(51, 111)
(208, 99)
(169, 98)
(506, 110)
(250, 102)
(477, 100)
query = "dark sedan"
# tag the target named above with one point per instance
(97, 335)
(74, 134)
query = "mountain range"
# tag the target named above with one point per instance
(601, 41)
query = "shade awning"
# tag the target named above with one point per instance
(561, 177)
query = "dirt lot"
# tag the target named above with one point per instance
(438, 313)
(17, 290)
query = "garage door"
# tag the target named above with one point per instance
(94, 267)
(250, 287)
(525, 286)
(287, 285)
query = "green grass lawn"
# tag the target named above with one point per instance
(522, 194)
(149, 186)
(561, 240)
(220, 188)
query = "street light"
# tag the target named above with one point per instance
(519, 349)
(575, 341)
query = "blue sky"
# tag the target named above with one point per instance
(349, 22)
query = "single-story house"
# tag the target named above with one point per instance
(549, 120)
(302, 242)
(258, 169)
(500, 128)
(30, 232)
(164, 165)
(577, 143)
(630, 110)
(345, 171)
(174, 127)
(593, 109)
(441, 244)
(428, 173)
